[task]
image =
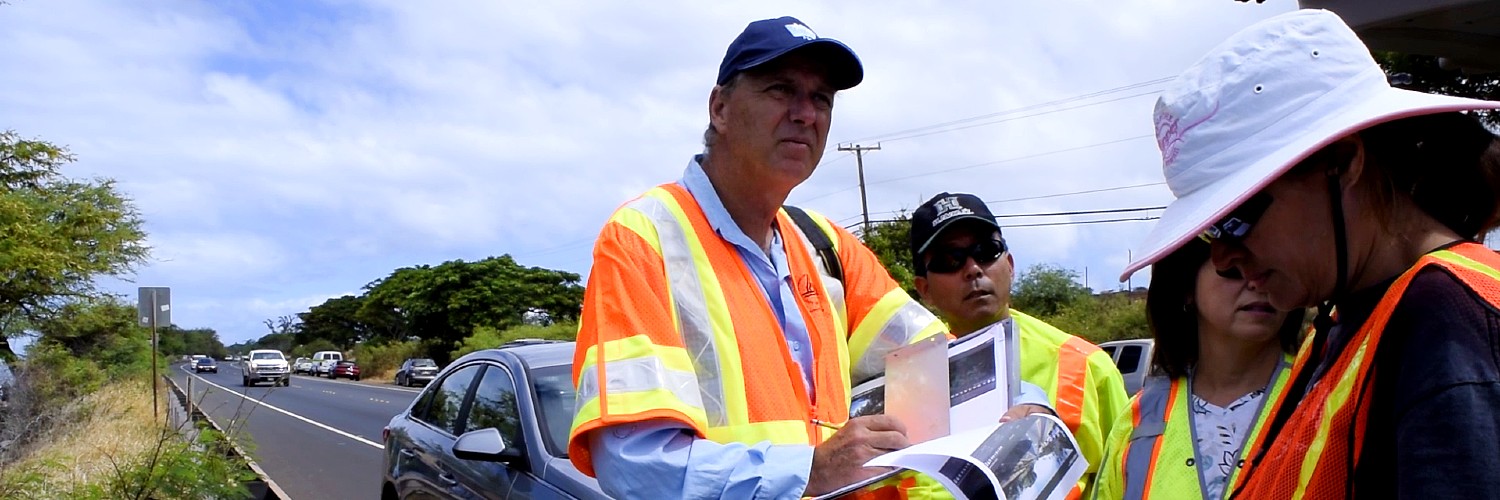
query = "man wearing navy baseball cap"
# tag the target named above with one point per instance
(721, 333)
(964, 270)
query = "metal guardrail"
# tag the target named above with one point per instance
(262, 487)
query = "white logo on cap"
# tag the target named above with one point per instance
(948, 208)
(799, 30)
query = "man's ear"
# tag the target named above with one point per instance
(921, 284)
(718, 106)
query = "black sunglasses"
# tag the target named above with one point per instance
(1235, 227)
(947, 260)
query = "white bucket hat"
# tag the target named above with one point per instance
(1257, 104)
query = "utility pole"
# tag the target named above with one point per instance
(859, 159)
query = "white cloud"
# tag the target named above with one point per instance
(283, 149)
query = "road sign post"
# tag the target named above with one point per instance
(153, 307)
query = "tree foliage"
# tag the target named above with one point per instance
(1046, 289)
(891, 242)
(176, 341)
(447, 301)
(57, 235)
(1424, 74)
(336, 321)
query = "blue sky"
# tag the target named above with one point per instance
(283, 153)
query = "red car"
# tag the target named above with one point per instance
(346, 369)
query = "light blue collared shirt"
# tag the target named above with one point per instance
(663, 459)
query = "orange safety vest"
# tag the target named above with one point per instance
(676, 327)
(1312, 455)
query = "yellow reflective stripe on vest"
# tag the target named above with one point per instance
(835, 294)
(1336, 400)
(639, 376)
(895, 321)
(1458, 259)
(775, 431)
(700, 309)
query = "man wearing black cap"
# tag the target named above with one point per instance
(964, 270)
(720, 334)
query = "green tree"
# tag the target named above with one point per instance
(103, 330)
(57, 235)
(1424, 74)
(890, 240)
(446, 302)
(1045, 289)
(336, 321)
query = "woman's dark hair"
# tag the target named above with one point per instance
(1174, 321)
(1448, 163)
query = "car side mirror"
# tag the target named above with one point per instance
(486, 445)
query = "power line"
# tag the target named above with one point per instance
(1022, 117)
(1075, 223)
(1018, 158)
(1041, 224)
(1077, 192)
(1012, 111)
(1083, 212)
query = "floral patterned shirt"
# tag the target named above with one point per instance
(1221, 433)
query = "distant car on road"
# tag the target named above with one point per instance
(265, 364)
(1133, 357)
(416, 371)
(493, 424)
(303, 366)
(345, 369)
(206, 365)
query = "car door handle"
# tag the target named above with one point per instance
(447, 479)
(408, 453)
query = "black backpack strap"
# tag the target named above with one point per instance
(819, 239)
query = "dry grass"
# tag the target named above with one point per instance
(381, 377)
(118, 425)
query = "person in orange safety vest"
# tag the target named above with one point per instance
(1322, 185)
(721, 333)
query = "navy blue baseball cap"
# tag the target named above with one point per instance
(765, 40)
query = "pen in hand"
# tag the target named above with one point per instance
(827, 425)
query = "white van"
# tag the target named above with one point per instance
(323, 362)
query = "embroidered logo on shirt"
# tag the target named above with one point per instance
(809, 294)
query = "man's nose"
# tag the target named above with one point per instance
(803, 108)
(971, 268)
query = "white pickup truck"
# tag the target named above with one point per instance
(265, 364)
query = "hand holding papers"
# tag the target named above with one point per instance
(1031, 457)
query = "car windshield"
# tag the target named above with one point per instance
(555, 400)
(423, 363)
(205, 361)
(265, 355)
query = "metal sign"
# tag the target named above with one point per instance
(154, 302)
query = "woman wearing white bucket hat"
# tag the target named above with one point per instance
(1322, 185)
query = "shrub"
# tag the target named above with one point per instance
(485, 337)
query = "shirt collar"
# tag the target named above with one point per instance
(697, 183)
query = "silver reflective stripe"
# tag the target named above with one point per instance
(691, 305)
(1152, 424)
(900, 330)
(639, 375)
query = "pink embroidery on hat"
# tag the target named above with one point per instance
(1169, 133)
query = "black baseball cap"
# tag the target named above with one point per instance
(765, 40)
(938, 214)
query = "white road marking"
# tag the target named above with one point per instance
(377, 446)
(401, 389)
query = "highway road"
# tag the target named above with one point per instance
(316, 439)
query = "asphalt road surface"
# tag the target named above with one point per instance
(316, 439)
